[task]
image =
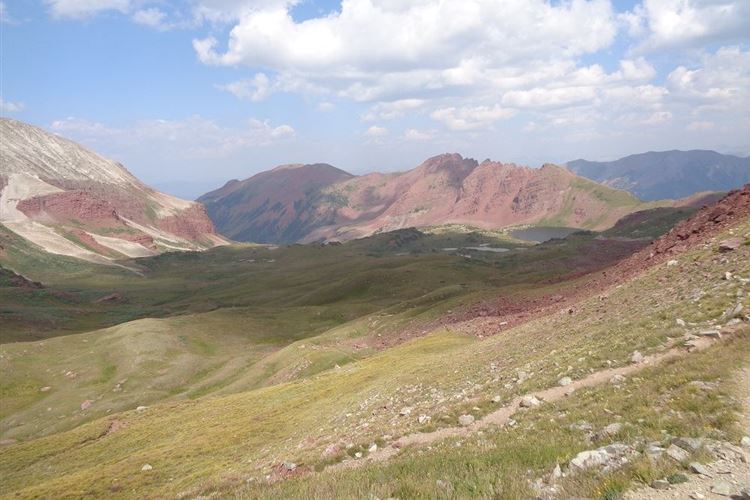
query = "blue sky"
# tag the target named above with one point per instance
(189, 94)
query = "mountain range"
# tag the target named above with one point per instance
(71, 201)
(302, 203)
(668, 174)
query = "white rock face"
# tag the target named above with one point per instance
(29, 150)
(36, 163)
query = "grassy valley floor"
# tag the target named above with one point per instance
(279, 425)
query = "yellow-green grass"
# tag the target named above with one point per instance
(215, 441)
(654, 406)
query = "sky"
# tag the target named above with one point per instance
(189, 94)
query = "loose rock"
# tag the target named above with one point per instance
(465, 420)
(529, 401)
(699, 468)
(637, 357)
(730, 245)
(660, 484)
(677, 454)
(565, 381)
(723, 488)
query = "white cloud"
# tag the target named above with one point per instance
(255, 89)
(700, 125)
(548, 97)
(153, 18)
(86, 8)
(326, 106)
(393, 109)
(5, 17)
(10, 107)
(194, 137)
(375, 131)
(392, 50)
(658, 118)
(413, 134)
(635, 70)
(470, 117)
(721, 79)
(686, 23)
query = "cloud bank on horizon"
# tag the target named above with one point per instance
(381, 84)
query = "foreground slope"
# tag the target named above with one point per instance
(71, 201)
(286, 205)
(254, 443)
(668, 174)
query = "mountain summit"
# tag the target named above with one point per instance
(319, 202)
(71, 201)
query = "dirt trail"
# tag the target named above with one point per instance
(503, 415)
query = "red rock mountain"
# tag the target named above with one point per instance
(319, 202)
(71, 201)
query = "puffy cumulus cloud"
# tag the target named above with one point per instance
(86, 8)
(686, 23)
(194, 137)
(720, 81)
(367, 35)
(10, 107)
(471, 117)
(391, 50)
(255, 89)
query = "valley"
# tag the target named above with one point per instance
(286, 364)
(376, 250)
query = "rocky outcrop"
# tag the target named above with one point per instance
(318, 202)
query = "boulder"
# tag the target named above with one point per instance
(146, 467)
(730, 244)
(565, 381)
(405, 411)
(608, 457)
(637, 357)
